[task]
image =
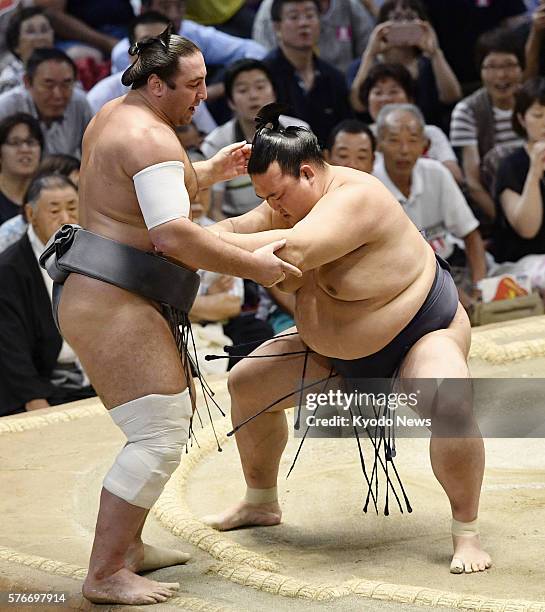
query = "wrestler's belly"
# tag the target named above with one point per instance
(353, 329)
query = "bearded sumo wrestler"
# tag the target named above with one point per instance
(124, 309)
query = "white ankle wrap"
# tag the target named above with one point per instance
(465, 529)
(157, 429)
(261, 496)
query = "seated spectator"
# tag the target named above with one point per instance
(148, 24)
(314, 89)
(520, 192)
(248, 87)
(483, 119)
(393, 84)
(223, 298)
(6, 13)
(418, 50)
(67, 165)
(14, 228)
(218, 48)
(430, 196)
(189, 136)
(90, 25)
(460, 23)
(21, 144)
(50, 96)
(231, 16)
(351, 144)
(344, 30)
(37, 369)
(28, 29)
(276, 308)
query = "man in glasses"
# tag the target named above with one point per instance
(483, 120)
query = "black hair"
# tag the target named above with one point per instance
(390, 5)
(290, 146)
(13, 32)
(276, 7)
(157, 55)
(531, 92)
(42, 182)
(351, 126)
(243, 65)
(8, 123)
(382, 71)
(500, 40)
(145, 19)
(59, 163)
(39, 56)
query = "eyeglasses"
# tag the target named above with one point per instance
(18, 143)
(508, 67)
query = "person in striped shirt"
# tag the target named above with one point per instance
(483, 119)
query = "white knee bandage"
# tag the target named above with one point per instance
(157, 429)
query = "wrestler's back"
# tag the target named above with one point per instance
(355, 305)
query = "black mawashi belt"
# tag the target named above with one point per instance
(73, 249)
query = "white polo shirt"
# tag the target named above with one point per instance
(435, 205)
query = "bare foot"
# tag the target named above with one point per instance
(124, 587)
(245, 515)
(144, 557)
(468, 555)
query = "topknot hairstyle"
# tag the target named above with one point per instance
(157, 55)
(290, 146)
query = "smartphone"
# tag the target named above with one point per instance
(404, 33)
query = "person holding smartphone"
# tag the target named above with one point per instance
(534, 44)
(404, 35)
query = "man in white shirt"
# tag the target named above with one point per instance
(428, 193)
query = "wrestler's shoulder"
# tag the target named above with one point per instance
(141, 145)
(355, 186)
(348, 176)
(131, 122)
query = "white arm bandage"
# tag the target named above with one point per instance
(161, 193)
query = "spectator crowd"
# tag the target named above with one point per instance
(443, 101)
